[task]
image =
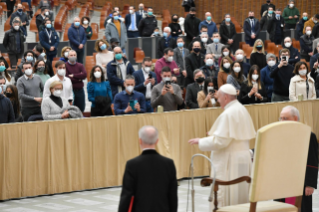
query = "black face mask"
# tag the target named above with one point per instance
(20, 10)
(193, 15)
(196, 50)
(175, 19)
(251, 17)
(9, 95)
(200, 80)
(268, 1)
(259, 48)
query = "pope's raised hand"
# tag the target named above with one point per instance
(193, 141)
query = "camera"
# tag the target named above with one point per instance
(211, 91)
(150, 76)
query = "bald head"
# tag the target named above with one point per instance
(196, 44)
(289, 113)
(20, 6)
(148, 135)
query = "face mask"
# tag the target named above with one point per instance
(209, 62)
(66, 54)
(226, 65)
(9, 95)
(61, 72)
(175, 19)
(130, 88)
(259, 48)
(270, 12)
(291, 5)
(103, 47)
(116, 17)
(57, 93)
(28, 72)
(46, 13)
(147, 69)
(227, 19)
(72, 59)
(77, 24)
(170, 59)
(2, 68)
(255, 76)
(131, 11)
(200, 80)
(277, 15)
(305, 18)
(308, 33)
(164, 34)
(48, 26)
(118, 56)
(29, 58)
(303, 72)
(216, 40)
(196, 50)
(42, 54)
(209, 18)
(41, 69)
(150, 13)
(156, 33)
(237, 69)
(251, 17)
(225, 53)
(315, 21)
(193, 15)
(141, 8)
(97, 74)
(85, 22)
(180, 45)
(204, 40)
(287, 45)
(16, 27)
(268, 1)
(3, 88)
(271, 63)
(239, 57)
(165, 79)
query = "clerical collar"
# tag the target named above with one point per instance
(231, 103)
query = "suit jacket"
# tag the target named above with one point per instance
(192, 65)
(178, 58)
(271, 27)
(128, 20)
(211, 49)
(139, 81)
(191, 95)
(247, 28)
(151, 179)
(161, 46)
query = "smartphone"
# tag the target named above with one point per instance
(168, 82)
(284, 58)
(133, 103)
(211, 91)
(150, 76)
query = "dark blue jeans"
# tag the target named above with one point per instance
(251, 42)
(79, 98)
(80, 55)
(132, 34)
(149, 108)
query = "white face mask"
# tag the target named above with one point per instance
(308, 32)
(46, 13)
(303, 72)
(237, 69)
(271, 63)
(66, 54)
(288, 44)
(204, 40)
(57, 93)
(97, 74)
(130, 88)
(239, 57)
(225, 53)
(255, 76)
(291, 5)
(170, 59)
(131, 11)
(209, 62)
(28, 72)
(85, 22)
(147, 69)
(61, 72)
(16, 27)
(165, 79)
(226, 65)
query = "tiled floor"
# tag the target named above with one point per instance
(107, 200)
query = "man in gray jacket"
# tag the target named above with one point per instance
(116, 28)
(180, 53)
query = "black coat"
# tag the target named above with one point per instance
(264, 7)
(247, 28)
(9, 41)
(39, 21)
(191, 95)
(146, 26)
(224, 33)
(151, 179)
(7, 114)
(299, 29)
(191, 65)
(271, 27)
(315, 31)
(176, 29)
(244, 91)
(161, 46)
(191, 26)
(203, 49)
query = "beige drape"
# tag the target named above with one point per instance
(62, 156)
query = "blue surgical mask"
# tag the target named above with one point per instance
(2, 68)
(305, 18)
(227, 19)
(116, 17)
(209, 18)
(49, 26)
(150, 13)
(29, 58)
(216, 40)
(156, 33)
(42, 54)
(270, 12)
(77, 24)
(103, 47)
(118, 56)
(277, 15)
(4, 88)
(180, 45)
(165, 34)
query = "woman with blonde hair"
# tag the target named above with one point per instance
(258, 55)
(224, 71)
(104, 56)
(65, 53)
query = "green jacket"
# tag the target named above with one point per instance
(291, 12)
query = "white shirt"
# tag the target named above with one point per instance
(67, 92)
(123, 69)
(130, 27)
(148, 92)
(27, 78)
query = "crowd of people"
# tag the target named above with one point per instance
(194, 60)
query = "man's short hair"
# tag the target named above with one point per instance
(317, 16)
(168, 50)
(148, 135)
(133, 7)
(27, 63)
(293, 111)
(192, 9)
(2, 77)
(147, 59)
(60, 62)
(270, 7)
(216, 33)
(169, 29)
(278, 9)
(284, 51)
(197, 71)
(269, 55)
(130, 77)
(43, 8)
(156, 28)
(180, 38)
(203, 27)
(166, 69)
(27, 52)
(287, 37)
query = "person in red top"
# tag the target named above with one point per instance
(167, 60)
(77, 73)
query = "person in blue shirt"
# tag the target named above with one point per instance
(209, 23)
(129, 101)
(265, 74)
(132, 21)
(99, 93)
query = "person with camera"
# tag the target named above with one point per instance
(208, 96)
(193, 89)
(145, 80)
(282, 75)
(166, 93)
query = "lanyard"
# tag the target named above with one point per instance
(49, 34)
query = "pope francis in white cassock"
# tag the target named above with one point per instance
(228, 142)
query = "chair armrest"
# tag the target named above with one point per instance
(208, 181)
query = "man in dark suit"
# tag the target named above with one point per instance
(131, 21)
(275, 27)
(251, 28)
(264, 7)
(150, 178)
(194, 61)
(194, 88)
(145, 79)
(180, 53)
(167, 41)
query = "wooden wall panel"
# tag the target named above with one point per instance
(237, 8)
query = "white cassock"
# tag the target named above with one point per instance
(229, 142)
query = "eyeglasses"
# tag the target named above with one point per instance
(283, 119)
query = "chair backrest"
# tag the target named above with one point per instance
(280, 160)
